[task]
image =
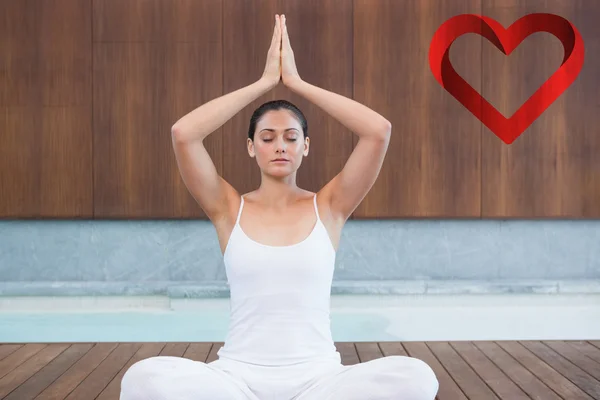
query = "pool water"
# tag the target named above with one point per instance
(353, 318)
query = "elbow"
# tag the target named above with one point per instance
(174, 129)
(387, 125)
(380, 131)
(177, 133)
(183, 135)
(386, 129)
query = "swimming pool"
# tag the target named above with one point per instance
(354, 318)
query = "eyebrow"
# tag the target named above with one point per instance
(273, 130)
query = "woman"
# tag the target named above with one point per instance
(279, 245)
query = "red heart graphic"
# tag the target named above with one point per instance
(506, 40)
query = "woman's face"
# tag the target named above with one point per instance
(278, 135)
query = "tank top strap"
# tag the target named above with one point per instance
(237, 220)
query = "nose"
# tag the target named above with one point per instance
(280, 146)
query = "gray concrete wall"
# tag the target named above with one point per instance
(183, 259)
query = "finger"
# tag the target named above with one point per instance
(279, 33)
(286, 37)
(276, 31)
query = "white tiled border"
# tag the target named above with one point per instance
(411, 317)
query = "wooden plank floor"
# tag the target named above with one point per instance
(543, 370)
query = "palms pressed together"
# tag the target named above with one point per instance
(281, 65)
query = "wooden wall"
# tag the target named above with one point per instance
(90, 88)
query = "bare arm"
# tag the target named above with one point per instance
(197, 170)
(347, 189)
(209, 117)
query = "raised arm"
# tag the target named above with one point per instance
(347, 189)
(197, 170)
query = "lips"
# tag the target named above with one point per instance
(279, 159)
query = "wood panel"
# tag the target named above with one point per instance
(448, 388)
(154, 62)
(89, 91)
(465, 370)
(45, 109)
(467, 378)
(489, 372)
(432, 168)
(321, 37)
(557, 382)
(526, 378)
(553, 168)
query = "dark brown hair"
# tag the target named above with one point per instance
(276, 105)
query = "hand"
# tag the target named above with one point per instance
(272, 73)
(289, 72)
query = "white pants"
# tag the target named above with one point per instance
(175, 378)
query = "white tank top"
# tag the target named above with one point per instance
(279, 298)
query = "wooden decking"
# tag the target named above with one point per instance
(466, 370)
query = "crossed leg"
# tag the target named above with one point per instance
(386, 378)
(167, 378)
